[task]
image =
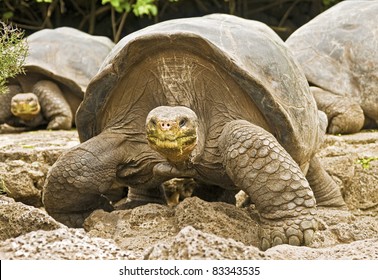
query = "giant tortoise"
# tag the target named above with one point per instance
(338, 51)
(215, 98)
(58, 68)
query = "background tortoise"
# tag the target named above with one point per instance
(338, 51)
(208, 100)
(58, 68)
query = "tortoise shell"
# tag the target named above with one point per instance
(338, 52)
(216, 65)
(66, 55)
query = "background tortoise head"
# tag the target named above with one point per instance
(25, 106)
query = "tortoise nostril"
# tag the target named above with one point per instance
(165, 125)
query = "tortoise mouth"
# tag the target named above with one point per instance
(172, 133)
(179, 147)
(25, 106)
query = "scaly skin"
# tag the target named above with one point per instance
(95, 174)
(344, 115)
(82, 181)
(5, 101)
(326, 192)
(261, 167)
(54, 106)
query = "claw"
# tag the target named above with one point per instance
(294, 240)
(265, 245)
(308, 235)
(277, 241)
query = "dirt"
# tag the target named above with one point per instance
(193, 229)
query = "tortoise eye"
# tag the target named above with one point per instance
(183, 122)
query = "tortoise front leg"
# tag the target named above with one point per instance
(54, 106)
(84, 179)
(261, 167)
(5, 102)
(344, 115)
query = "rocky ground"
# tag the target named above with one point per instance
(194, 229)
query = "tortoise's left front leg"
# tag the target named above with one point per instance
(54, 106)
(5, 102)
(261, 167)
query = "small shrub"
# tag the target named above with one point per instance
(13, 51)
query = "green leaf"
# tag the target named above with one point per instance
(145, 7)
(8, 15)
(13, 51)
(119, 5)
(365, 162)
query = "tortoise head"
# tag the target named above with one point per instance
(25, 106)
(172, 132)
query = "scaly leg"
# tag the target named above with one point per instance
(261, 167)
(344, 115)
(54, 106)
(5, 102)
(82, 179)
(326, 192)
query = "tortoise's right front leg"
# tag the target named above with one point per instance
(261, 167)
(5, 102)
(344, 115)
(54, 106)
(81, 180)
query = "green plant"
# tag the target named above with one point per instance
(365, 162)
(13, 51)
(124, 7)
(329, 3)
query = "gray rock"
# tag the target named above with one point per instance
(134, 229)
(358, 250)
(25, 159)
(192, 244)
(61, 244)
(222, 219)
(150, 224)
(353, 161)
(17, 219)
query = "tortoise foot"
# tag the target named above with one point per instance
(130, 204)
(60, 122)
(74, 220)
(294, 232)
(350, 121)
